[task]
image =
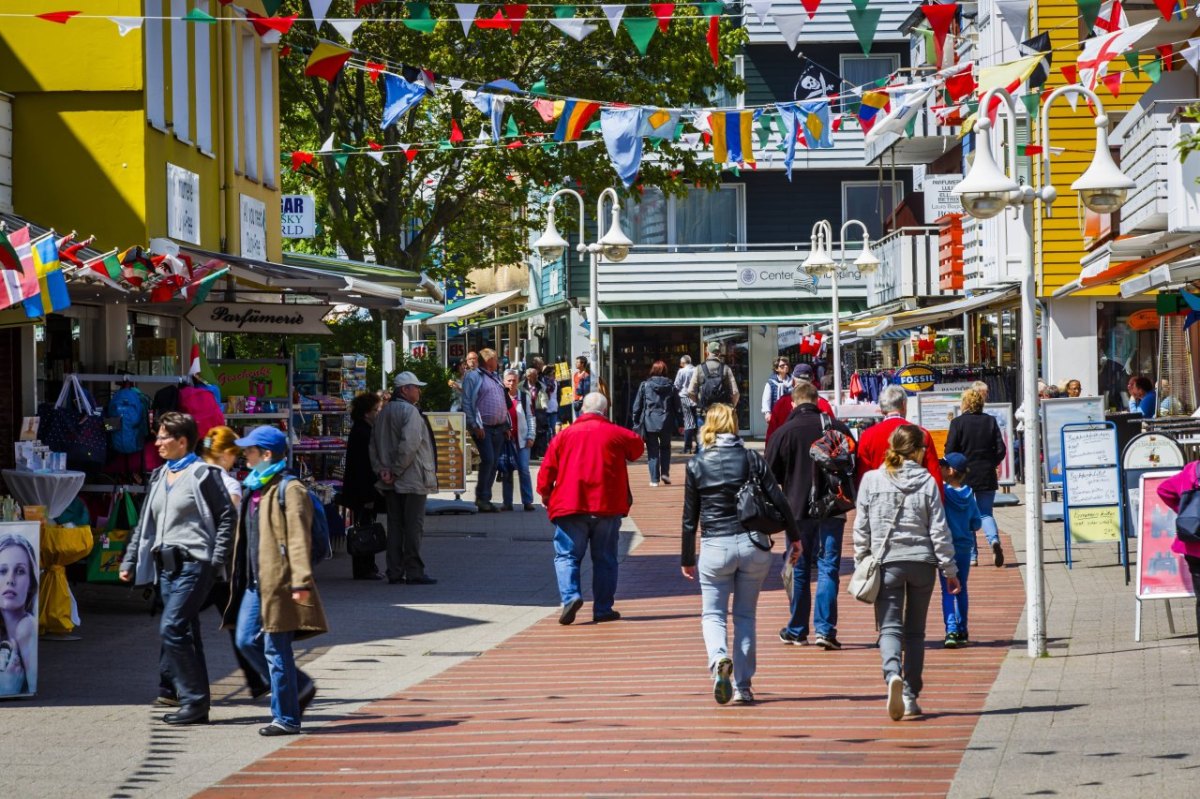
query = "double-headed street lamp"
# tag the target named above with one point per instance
(820, 263)
(985, 192)
(613, 245)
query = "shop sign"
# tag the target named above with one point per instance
(248, 317)
(916, 377)
(419, 349)
(298, 216)
(250, 379)
(183, 204)
(939, 199)
(254, 228)
(1145, 319)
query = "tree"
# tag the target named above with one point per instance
(456, 209)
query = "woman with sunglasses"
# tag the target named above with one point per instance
(778, 385)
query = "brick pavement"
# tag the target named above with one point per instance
(626, 709)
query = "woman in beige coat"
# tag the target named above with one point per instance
(274, 597)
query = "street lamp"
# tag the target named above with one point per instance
(613, 245)
(820, 263)
(985, 192)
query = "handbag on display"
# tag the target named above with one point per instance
(74, 425)
(366, 539)
(104, 564)
(760, 518)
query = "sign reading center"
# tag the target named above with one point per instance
(757, 278)
(245, 317)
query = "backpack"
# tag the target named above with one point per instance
(713, 388)
(319, 545)
(833, 456)
(132, 407)
(202, 406)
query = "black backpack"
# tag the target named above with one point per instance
(713, 388)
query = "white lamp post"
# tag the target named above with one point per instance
(820, 263)
(985, 192)
(613, 245)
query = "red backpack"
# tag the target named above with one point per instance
(202, 406)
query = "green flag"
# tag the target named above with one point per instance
(1154, 70)
(538, 88)
(764, 130)
(865, 22)
(510, 128)
(930, 47)
(564, 12)
(340, 159)
(861, 5)
(196, 15)
(1131, 58)
(419, 18)
(641, 30)
(711, 9)
(1090, 11)
(1032, 104)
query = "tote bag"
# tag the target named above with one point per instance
(74, 425)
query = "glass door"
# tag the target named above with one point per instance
(735, 348)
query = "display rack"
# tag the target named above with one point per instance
(241, 422)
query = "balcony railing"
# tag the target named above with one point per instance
(910, 267)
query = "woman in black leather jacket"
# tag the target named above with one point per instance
(729, 563)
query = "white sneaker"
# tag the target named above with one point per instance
(653, 484)
(895, 700)
(911, 708)
(743, 696)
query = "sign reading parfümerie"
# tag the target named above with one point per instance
(245, 317)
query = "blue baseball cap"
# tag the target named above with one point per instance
(956, 461)
(265, 437)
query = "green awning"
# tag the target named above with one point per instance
(744, 312)
(520, 315)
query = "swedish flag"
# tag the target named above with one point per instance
(52, 285)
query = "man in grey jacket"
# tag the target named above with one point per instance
(404, 457)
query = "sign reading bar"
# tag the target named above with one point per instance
(298, 216)
(183, 204)
(245, 317)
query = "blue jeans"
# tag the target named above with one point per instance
(271, 655)
(954, 606)
(822, 547)
(730, 564)
(183, 596)
(489, 452)
(506, 480)
(658, 453)
(572, 535)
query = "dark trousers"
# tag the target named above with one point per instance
(363, 564)
(405, 527)
(183, 595)
(489, 453)
(658, 453)
(1194, 567)
(218, 597)
(542, 440)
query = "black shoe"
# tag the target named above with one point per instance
(828, 642)
(997, 555)
(273, 729)
(506, 508)
(307, 697)
(792, 639)
(424, 579)
(569, 610)
(394, 580)
(372, 576)
(528, 508)
(192, 714)
(486, 507)
(612, 615)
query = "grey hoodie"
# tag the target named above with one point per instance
(910, 505)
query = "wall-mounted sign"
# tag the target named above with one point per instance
(183, 204)
(247, 317)
(298, 216)
(938, 198)
(254, 228)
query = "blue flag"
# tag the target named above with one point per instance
(400, 96)
(622, 130)
(814, 116)
(492, 105)
(790, 113)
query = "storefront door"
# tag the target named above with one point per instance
(735, 346)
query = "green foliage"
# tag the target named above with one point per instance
(456, 209)
(351, 334)
(1189, 144)
(437, 395)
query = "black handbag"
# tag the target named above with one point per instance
(74, 425)
(366, 539)
(1187, 520)
(760, 518)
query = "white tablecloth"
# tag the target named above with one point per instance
(55, 490)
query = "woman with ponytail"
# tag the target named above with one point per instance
(901, 522)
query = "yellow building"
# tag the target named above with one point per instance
(170, 130)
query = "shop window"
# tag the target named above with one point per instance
(203, 81)
(870, 202)
(1125, 348)
(266, 69)
(181, 122)
(152, 34)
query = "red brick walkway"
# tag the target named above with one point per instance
(626, 709)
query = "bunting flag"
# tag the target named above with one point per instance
(664, 12)
(200, 17)
(400, 96)
(300, 158)
(1112, 82)
(641, 30)
(18, 275)
(960, 84)
(1191, 54)
(575, 117)
(572, 26)
(940, 18)
(359, 5)
(326, 61)
(872, 104)
(761, 8)
(622, 132)
(790, 24)
(818, 128)
(811, 7)
(346, 28)
(660, 123)
(1093, 62)
(319, 9)
(733, 136)
(61, 17)
(495, 22)
(549, 110)
(127, 24)
(909, 102)
(789, 114)
(1089, 10)
(466, 15)
(515, 14)
(714, 39)
(456, 134)
(492, 106)
(614, 13)
(1170, 8)
(419, 18)
(52, 285)
(1114, 20)
(865, 22)
(1039, 44)
(1015, 14)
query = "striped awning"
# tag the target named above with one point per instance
(744, 312)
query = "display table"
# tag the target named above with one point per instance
(55, 490)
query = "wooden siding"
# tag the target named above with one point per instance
(779, 211)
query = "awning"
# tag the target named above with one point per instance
(519, 316)
(473, 306)
(745, 312)
(1178, 273)
(930, 316)
(1094, 278)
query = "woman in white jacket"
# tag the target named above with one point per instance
(902, 522)
(522, 434)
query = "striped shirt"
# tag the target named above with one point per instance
(491, 403)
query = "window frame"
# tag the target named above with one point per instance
(181, 72)
(269, 163)
(897, 195)
(672, 227)
(248, 112)
(153, 32)
(844, 57)
(203, 84)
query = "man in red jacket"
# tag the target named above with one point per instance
(584, 485)
(873, 443)
(782, 409)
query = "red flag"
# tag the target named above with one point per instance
(960, 85)
(456, 134)
(1112, 82)
(664, 12)
(374, 68)
(714, 39)
(1070, 73)
(285, 51)
(264, 25)
(811, 7)
(515, 144)
(300, 158)
(1166, 8)
(60, 17)
(359, 5)
(1033, 149)
(516, 15)
(1168, 53)
(410, 154)
(940, 17)
(495, 22)
(68, 249)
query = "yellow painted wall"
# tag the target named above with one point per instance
(1060, 237)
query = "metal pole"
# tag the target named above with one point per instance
(837, 328)
(594, 317)
(383, 352)
(1035, 602)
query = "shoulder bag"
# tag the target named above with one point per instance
(867, 580)
(758, 516)
(1187, 520)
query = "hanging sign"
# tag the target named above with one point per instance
(183, 204)
(254, 228)
(916, 377)
(939, 197)
(298, 216)
(249, 317)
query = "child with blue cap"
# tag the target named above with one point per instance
(963, 519)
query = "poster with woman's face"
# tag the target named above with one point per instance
(19, 553)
